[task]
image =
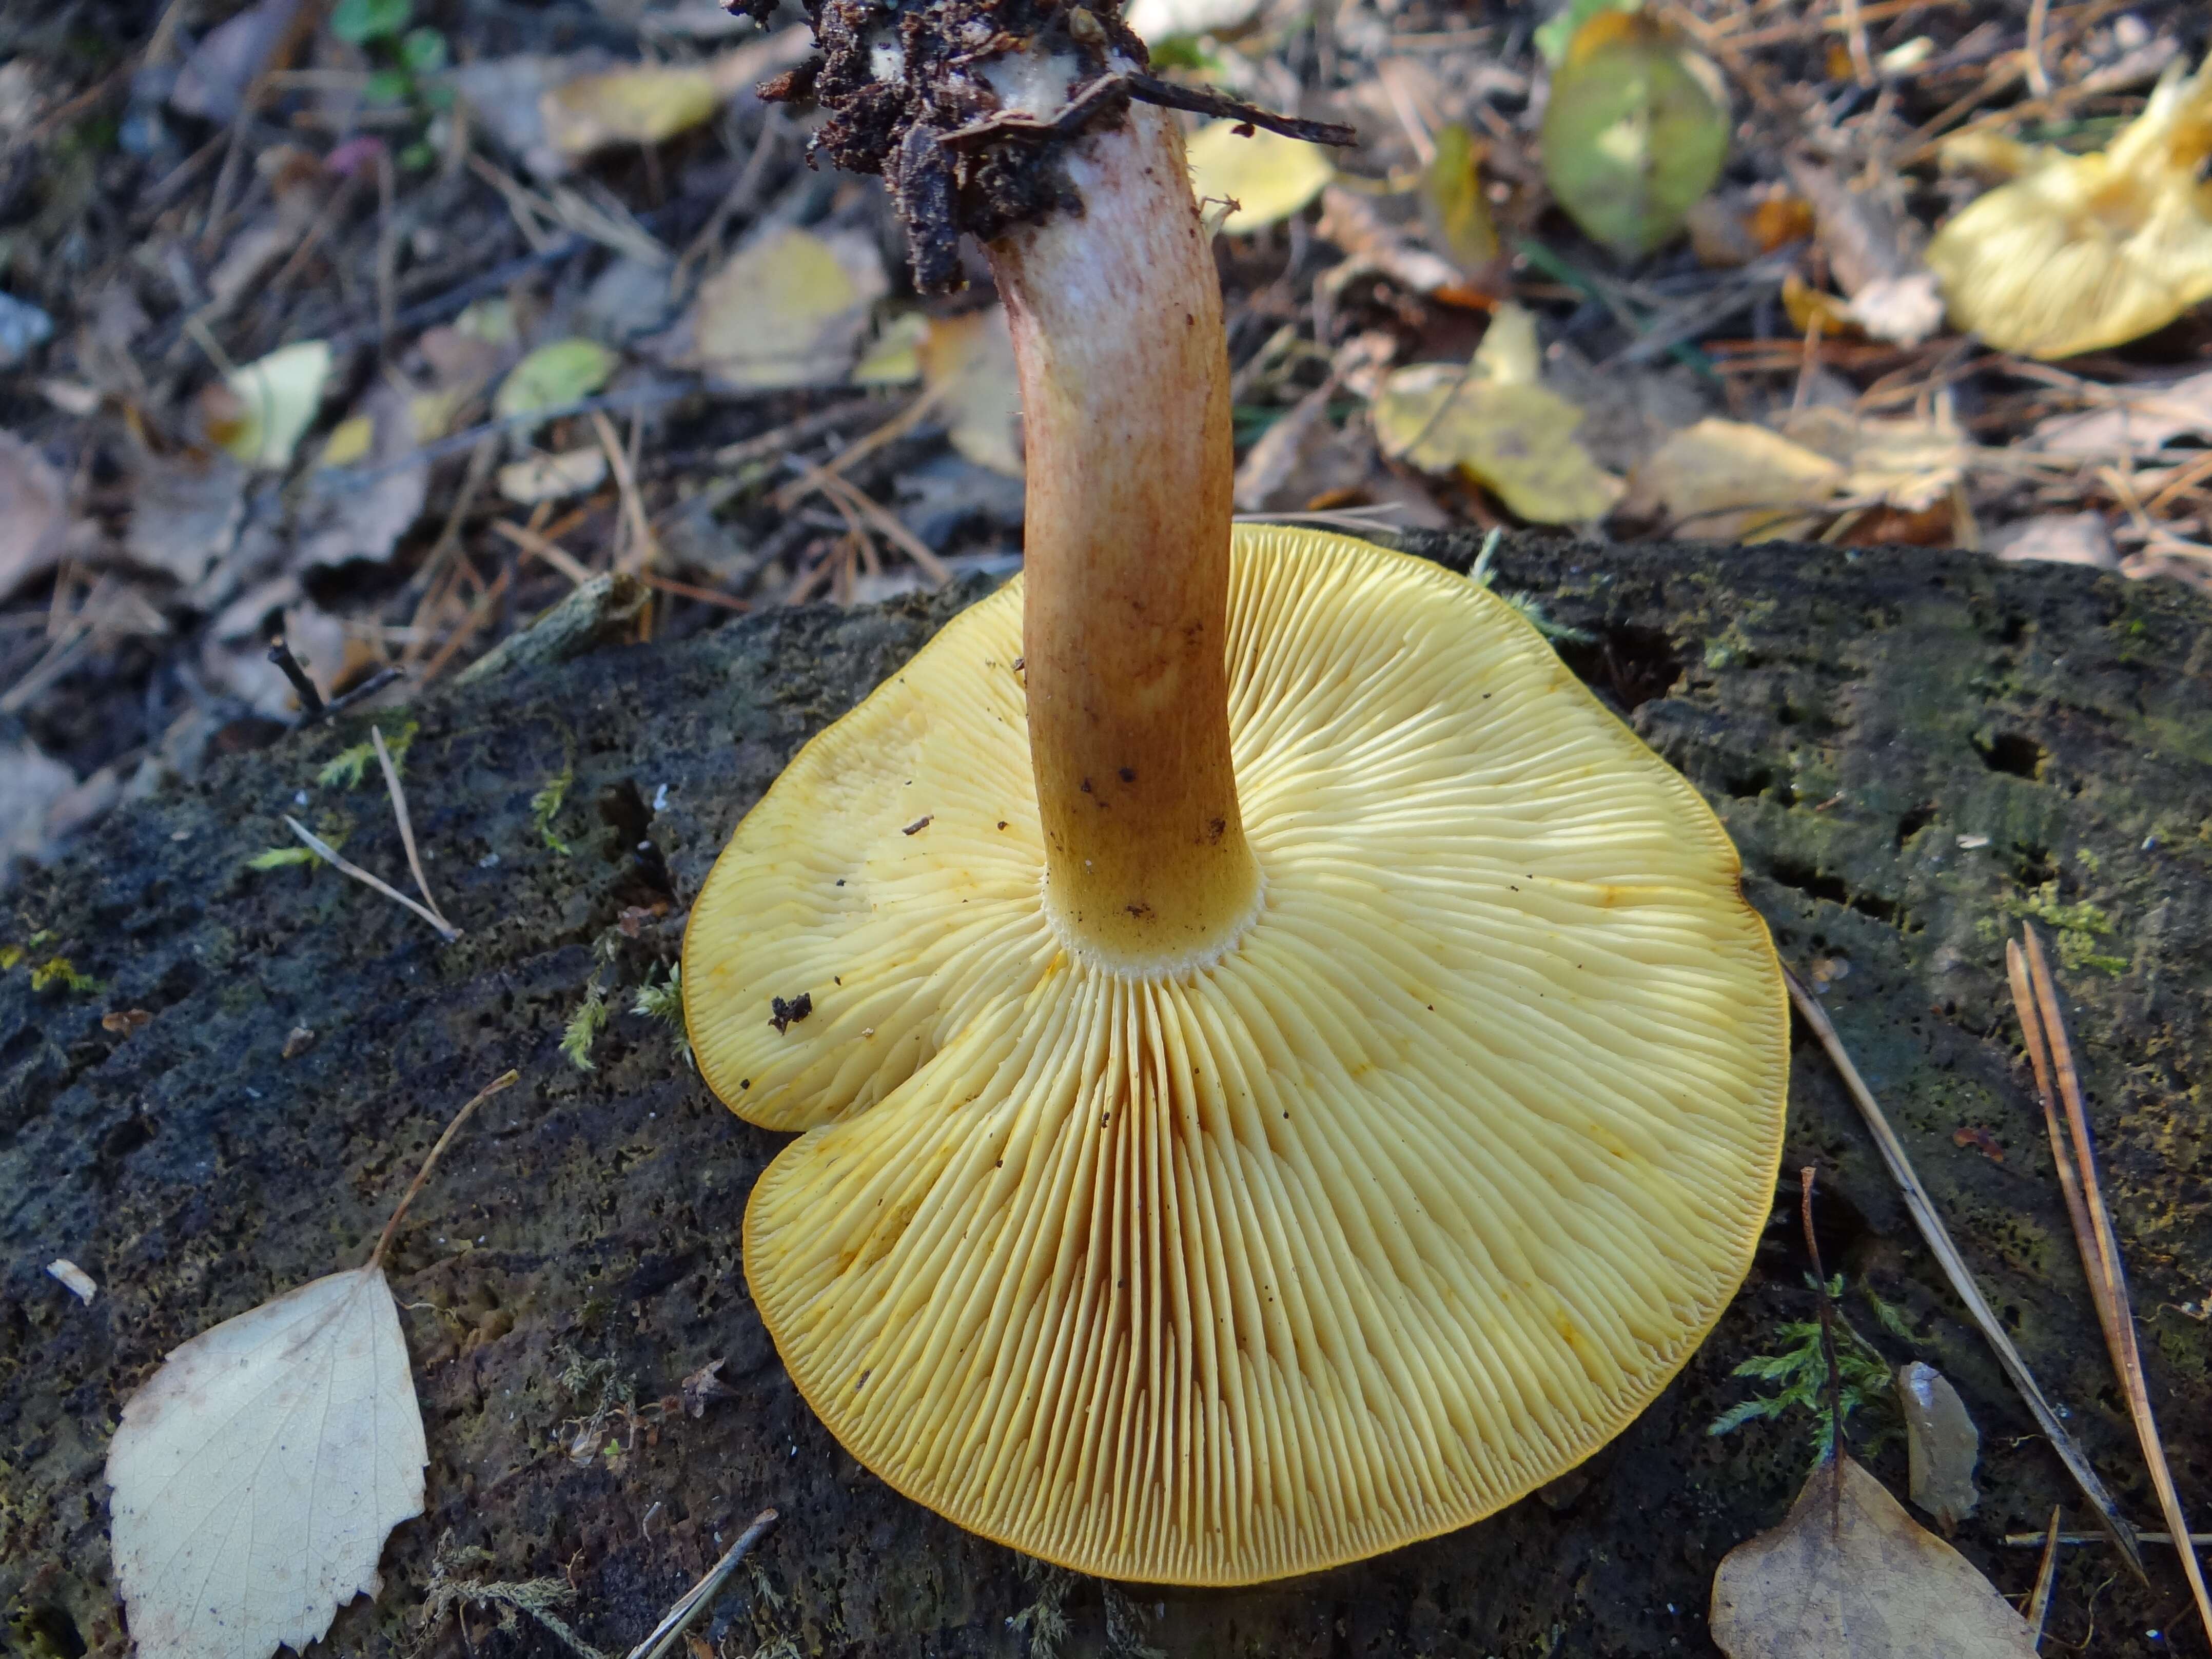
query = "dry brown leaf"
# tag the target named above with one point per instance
(1941, 1440)
(1849, 1575)
(2095, 250)
(33, 513)
(1729, 481)
(2139, 419)
(257, 1476)
(2062, 537)
(1910, 464)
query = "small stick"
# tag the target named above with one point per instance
(323, 850)
(311, 700)
(2038, 77)
(362, 693)
(665, 1632)
(2024, 1540)
(2101, 1255)
(1922, 1209)
(2046, 1576)
(1827, 1315)
(544, 547)
(1855, 32)
(383, 1239)
(644, 549)
(406, 828)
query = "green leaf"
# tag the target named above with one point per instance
(1552, 38)
(1453, 202)
(553, 376)
(424, 51)
(1632, 136)
(388, 86)
(359, 22)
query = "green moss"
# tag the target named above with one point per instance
(61, 971)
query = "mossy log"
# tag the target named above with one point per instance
(1916, 752)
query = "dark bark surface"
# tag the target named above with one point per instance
(1914, 751)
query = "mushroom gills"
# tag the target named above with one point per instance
(1206, 1274)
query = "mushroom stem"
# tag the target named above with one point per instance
(1116, 320)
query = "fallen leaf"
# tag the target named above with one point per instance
(1553, 38)
(638, 105)
(1903, 310)
(2095, 250)
(1453, 200)
(2060, 538)
(1910, 464)
(125, 1021)
(1515, 440)
(789, 309)
(1509, 354)
(1981, 1140)
(1849, 1575)
(31, 783)
(969, 363)
(213, 80)
(1267, 176)
(895, 359)
(1940, 1441)
(80, 1284)
(347, 515)
(270, 404)
(186, 511)
(2137, 419)
(1373, 245)
(1633, 133)
(33, 513)
(1302, 458)
(553, 376)
(539, 477)
(257, 1475)
(1155, 21)
(1730, 481)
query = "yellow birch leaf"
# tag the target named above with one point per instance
(1453, 202)
(554, 375)
(788, 310)
(1516, 441)
(641, 106)
(273, 402)
(1728, 480)
(1270, 177)
(972, 358)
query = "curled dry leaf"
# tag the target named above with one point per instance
(2089, 250)
(257, 1476)
(1849, 1575)
(1634, 133)
(540, 477)
(1270, 177)
(1941, 1441)
(1910, 464)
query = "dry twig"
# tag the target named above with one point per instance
(1962, 1279)
(2036, 996)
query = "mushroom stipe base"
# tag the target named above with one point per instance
(1397, 1211)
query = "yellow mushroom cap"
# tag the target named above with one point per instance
(1399, 1209)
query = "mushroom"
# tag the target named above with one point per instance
(1284, 1071)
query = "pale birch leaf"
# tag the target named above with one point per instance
(1849, 1575)
(258, 1471)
